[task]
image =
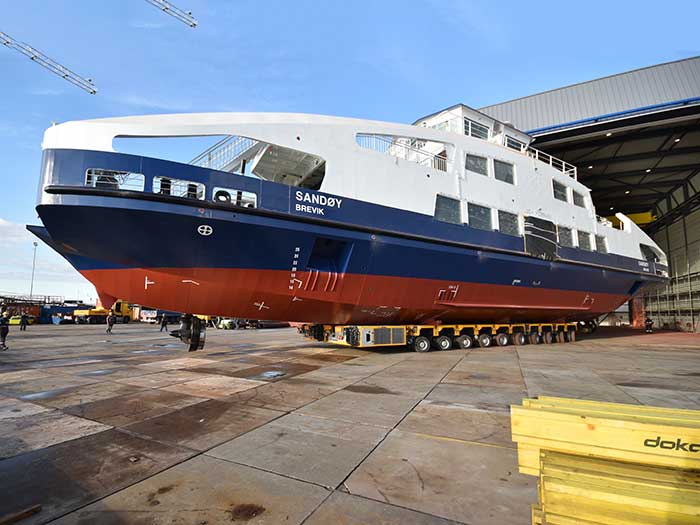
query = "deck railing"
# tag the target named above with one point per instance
(470, 128)
(403, 148)
(223, 153)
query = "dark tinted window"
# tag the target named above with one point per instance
(565, 237)
(480, 217)
(503, 171)
(648, 253)
(584, 241)
(601, 244)
(559, 191)
(477, 164)
(447, 209)
(508, 223)
(579, 200)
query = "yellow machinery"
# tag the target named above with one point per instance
(609, 463)
(121, 309)
(442, 336)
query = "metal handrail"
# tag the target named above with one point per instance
(473, 129)
(223, 152)
(400, 147)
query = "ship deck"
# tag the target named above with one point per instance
(266, 427)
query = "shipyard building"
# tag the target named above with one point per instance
(634, 138)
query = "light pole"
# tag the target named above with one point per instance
(31, 287)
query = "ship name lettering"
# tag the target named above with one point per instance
(323, 200)
(309, 209)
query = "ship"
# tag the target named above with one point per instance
(336, 221)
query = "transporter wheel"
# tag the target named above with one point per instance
(561, 338)
(421, 344)
(126, 319)
(464, 341)
(502, 339)
(485, 340)
(443, 342)
(571, 335)
(518, 338)
(533, 338)
(547, 338)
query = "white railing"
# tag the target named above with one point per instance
(223, 153)
(404, 148)
(114, 180)
(474, 129)
(558, 164)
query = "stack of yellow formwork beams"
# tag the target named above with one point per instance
(609, 463)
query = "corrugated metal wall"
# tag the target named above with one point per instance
(678, 304)
(659, 84)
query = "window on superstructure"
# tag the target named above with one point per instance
(601, 244)
(114, 180)
(178, 188)
(514, 143)
(479, 217)
(649, 253)
(579, 199)
(245, 199)
(503, 171)
(508, 223)
(474, 129)
(477, 164)
(565, 237)
(560, 192)
(448, 209)
(584, 241)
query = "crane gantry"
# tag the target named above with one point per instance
(40, 58)
(183, 16)
(66, 74)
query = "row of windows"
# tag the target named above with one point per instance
(448, 209)
(561, 193)
(124, 180)
(565, 238)
(502, 171)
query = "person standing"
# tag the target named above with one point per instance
(163, 323)
(111, 320)
(23, 322)
(4, 329)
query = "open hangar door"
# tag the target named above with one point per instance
(635, 140)
(647, 167)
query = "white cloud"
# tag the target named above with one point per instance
(12, 233)
(45, 92)
(138, 101)
(145, 24)
(53, 275)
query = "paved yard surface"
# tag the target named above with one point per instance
(266, 427)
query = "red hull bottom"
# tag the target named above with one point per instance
(329, 298)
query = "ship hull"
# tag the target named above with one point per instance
(269, 268)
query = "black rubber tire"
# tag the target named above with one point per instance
(571, 336)
(533, 338)
(485, 340)
(547, 338)
(561, 338)
(442, 342)
(126, 319)
(502, 339)
(464, 341)
(518, 338)
(421, 344)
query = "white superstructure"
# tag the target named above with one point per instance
(459, 165)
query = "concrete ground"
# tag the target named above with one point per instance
(266, 427)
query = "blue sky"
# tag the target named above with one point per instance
(384, 60)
